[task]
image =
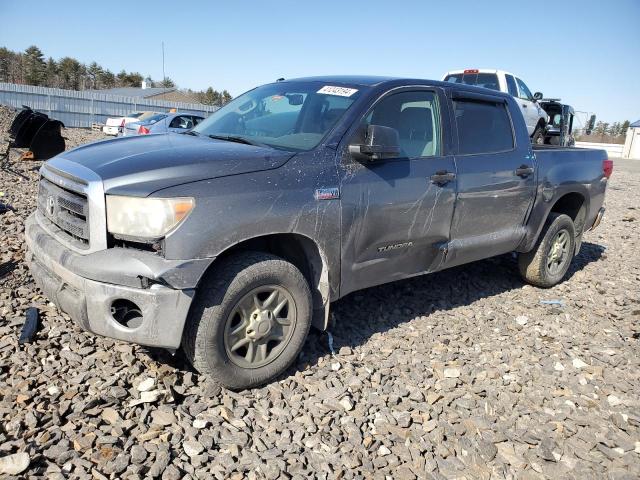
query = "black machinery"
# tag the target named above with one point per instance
(559, 131)
(41, 135)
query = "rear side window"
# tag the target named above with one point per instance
(484, 80)
(511, 86)
(483, 127)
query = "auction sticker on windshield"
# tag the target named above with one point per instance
(340, 91)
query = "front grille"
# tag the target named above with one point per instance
(66, 209)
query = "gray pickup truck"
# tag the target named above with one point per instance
(233, 239)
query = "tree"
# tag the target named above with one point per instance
(166, 83)
(70, 72)
(624, 127)
(34, 66)
(51, 74)
(106, 79)
(602, 128)
(6, 58)
(93, 72)
(614, 131)
(225, 98)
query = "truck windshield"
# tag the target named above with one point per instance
(485, 80)
(289, 115)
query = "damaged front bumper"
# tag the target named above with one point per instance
(125, 294)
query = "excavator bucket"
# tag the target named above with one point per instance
(37, 132)
(48, 141)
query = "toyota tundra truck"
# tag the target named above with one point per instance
(232, 240)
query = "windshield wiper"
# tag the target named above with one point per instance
(232, 138)
(191, 132)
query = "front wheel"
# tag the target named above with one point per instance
(249, 320)
(547, 264)
(538, 136)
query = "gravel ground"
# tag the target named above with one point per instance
(462, 374)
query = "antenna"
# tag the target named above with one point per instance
(164, 77)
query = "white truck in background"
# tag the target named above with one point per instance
(534, 116)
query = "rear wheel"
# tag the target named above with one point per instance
(249, 320)
(547, 264)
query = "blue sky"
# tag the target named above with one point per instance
(586, 52)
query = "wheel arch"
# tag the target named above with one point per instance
(301, 251)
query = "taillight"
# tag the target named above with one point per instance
(121, 127)
(474, 70)
(143, 130)
(607, 167)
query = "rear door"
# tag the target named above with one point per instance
(396, 212)
(528, 106)
(496, 182)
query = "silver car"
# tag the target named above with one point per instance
(163, 123)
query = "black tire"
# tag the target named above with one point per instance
(534, 265)
(538, 136)
(212, 312)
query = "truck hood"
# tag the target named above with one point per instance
(141, 165)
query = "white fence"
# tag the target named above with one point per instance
(613, 149)
(81, 109)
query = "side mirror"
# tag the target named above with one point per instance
(590, 125)
(380, 142)
(538, 96)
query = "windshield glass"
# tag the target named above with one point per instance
(134, 115)
(289, 115)
(485, 80)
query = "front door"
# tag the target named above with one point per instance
(396, 212)
(496, 180)
(528, 106)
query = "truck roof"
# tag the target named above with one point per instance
(479, 70)
(365, 80)
(376, 81)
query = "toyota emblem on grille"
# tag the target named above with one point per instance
(51, 205)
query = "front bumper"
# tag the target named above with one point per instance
(85, 287)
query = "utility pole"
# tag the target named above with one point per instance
(164, 77)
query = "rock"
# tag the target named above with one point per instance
(577, 363)
(347, 403)
(163, 417)
(14, 464)
(613, 400)
(192, 448)
(522, 320)
(110, 416)
(383, 451)
(451, 372)
(138, 454)
(146, 385)
(558, 367)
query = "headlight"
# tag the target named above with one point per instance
(148, 218)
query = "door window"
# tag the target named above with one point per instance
(483, 127)
(511, 85)
(415, 116)
(525, 94)
(183, 122)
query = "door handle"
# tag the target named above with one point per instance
(442, 177)
(524, 171)
(524, 105)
